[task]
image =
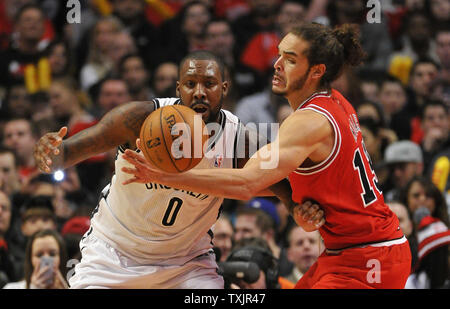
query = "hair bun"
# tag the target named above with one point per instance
(348, 36)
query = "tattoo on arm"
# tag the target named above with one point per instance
(119, 126)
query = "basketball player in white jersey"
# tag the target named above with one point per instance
(149, 235)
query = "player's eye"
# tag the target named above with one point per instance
(190, 84)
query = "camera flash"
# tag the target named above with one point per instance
(59, 175)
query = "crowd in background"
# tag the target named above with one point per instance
(55, 73)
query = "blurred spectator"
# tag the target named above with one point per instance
(354, 12)
(185, 32)
(421, 192)
(432, 270)
(261, 51)
(440, 13)
(99, 62)
(60, 59)
(417, 40)
(9, 173)
(72, 232)
(8, 10)
(165, 79)
(255, 222)
(17, 102)
(423, 73)
(20, 135)
(376, 138)
(41, 109)
(261, 17)
(223, 236)
(45, 186)
(304, 249)
(407, 226)
(403, 216)
(373, 140)
(68, 106)
(436, 128)
(26, 46)
(45, 243)
(440, 90)
(349, 85)
(145, 36)
(373, 110)
(404, 160)
(7, 268)
(370, 87)
(132, 70)
(112, 92)
(260, 109)
(260, 219)
(393, 99)
(231, 9)
(221, 40)
(255, 250)
(38, 215)
(443, 51)
(122, 45)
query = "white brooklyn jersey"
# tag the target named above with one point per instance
(160, 225)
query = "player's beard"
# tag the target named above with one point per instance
(215, 112)
(296, 85)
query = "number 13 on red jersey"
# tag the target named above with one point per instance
(367, 180)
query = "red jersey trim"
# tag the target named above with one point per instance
(336, 147)
(431, 245)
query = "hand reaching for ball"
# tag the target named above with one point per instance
(142, 170)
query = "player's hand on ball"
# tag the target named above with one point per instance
(309, 216)
(46, 150)
(143, 171)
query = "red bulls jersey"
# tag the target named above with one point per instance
(344, 184)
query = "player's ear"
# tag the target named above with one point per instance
(225, 87)
(318, 70)
(177, 89)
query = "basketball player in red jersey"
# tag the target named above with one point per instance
(320, 148)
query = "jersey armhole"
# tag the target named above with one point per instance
(336, 145)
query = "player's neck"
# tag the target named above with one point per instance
(297, 98)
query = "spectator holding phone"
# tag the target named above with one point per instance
(45, 263)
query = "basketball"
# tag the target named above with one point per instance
(172, 138)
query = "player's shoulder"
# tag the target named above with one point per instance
(230, 117)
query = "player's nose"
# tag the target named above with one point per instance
(199, 92)
(277, 65)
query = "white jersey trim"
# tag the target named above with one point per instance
(336, 147)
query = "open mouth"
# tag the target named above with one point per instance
(200, 110)
(276, 80)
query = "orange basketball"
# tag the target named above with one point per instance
(172, 138)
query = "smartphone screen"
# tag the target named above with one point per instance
(47, 261)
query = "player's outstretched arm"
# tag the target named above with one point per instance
(119, 126)
(303, 134)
